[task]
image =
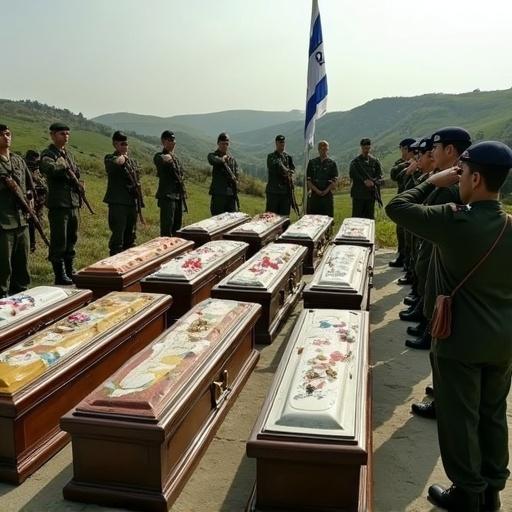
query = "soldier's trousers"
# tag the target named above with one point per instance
(220, 204)
(278, 203)
(63, 233)
(122, 221)
(400, 239)
(14, 260)
(364, 208)
(171, 216)
(321, 205)
(471, 403)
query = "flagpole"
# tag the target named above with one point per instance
(305, 184)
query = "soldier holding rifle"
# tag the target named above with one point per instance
(123, 195)
(280, 189)
(65, 196)
(224, 186)
(171, 193)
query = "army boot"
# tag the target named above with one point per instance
(455, 499)
(60, 273)
(70, 269)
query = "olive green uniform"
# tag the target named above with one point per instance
(472, 367)
(221, 189)
(278, 189)
(363, 197)
(169, 193)
(321, 173)
(63, 203)
(40, 198)
(13, 229)
(397, 174)
(121, 199)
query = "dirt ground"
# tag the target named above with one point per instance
(406, 453)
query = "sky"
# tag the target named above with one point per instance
(168, 57)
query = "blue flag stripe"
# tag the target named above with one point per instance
(316, 98)
(316, 36)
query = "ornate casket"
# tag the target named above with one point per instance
(313, 232)
(137, 437)
(341, 280)
(213, 228)
(47, 374)
(124, 271)
(260, 231)
(28, 312)
(190, 277)
(272, 278)
(312, 439)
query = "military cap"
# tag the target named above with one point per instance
(223, 137)
(490, 153)
(406, 143)
(365, 142)
(451, 134)
(119, 136)
(167, 135)
(425, 144)
(3, 127)
(280, 138)
(59, 127)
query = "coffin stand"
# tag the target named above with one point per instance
(260, 231)
(124, 271)
(47, 374)
(313, 232)
(26, 313)
(137, 438)
(312, 440)
(213, 228)
(272, 278)
(190, 277)
(342, 279)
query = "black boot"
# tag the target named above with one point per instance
(455, 499)
(60, 274)
(397, 262)
(413, 314)
(429, 390)
(492, 501)
(406, 279)
(70, 269)
(423, 343)
(416, 330)
(411, 300)
(424, 409)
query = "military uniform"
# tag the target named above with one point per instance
(40, 198)
(169, 193)
(278, 188)
(321, 173)
(363, 198)
(221, 189)
(13, 229)
(121, 200)
(397, 174)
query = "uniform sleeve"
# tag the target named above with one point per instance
(213, 159)
(355, 172)
(291, 165)
(309, 170)
(235, 167)
(378, 170)
(396, 172)
(53, 168)
(333, 172)
(110, 164)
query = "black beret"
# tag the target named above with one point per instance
(406, 143)
(365, 142)
(3, 127)
(119, 136)
(489, 153)
(223, 137)
(425, 144)
(451, 134)
(167, 135)
(59, 127)
(280, 138)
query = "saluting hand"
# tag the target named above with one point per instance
(120, 160)
(167, 158)
(445, 178)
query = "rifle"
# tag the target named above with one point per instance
(233, 182)
(377, 182)
(287, 173)
(181, 183)
(13, 186)
(70, 170)
(135, 189)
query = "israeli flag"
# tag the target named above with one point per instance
(316, 98)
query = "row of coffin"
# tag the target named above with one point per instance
(138, 435)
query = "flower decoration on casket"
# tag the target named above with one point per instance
(193, 264)
(17, 303)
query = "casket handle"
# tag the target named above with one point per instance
(220, 389)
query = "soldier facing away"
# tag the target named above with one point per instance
(32, 159)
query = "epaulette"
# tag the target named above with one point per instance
(460, 208)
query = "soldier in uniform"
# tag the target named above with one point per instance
(280, 168)
(14, 273)
(321, 174)
(57, 163)
(366, 176)
(171, 191)
(123, 178)
(32, 159)
(472, 367)
(224, 186)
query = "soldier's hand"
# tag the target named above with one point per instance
(225, 157)
(445, 178)
(167, 158)
(411, 167)
(369, 183)
(120, 160)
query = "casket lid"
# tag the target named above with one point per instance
(17, 307)
(154, 378)
(320, 384)
(343, 269)
(266, 267)
(136, 257)
(200, 261)
(38, 354)
(220, 222)
(258, 224)
(357, 229)
(308, 227)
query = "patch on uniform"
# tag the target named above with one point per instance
(459, 208)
